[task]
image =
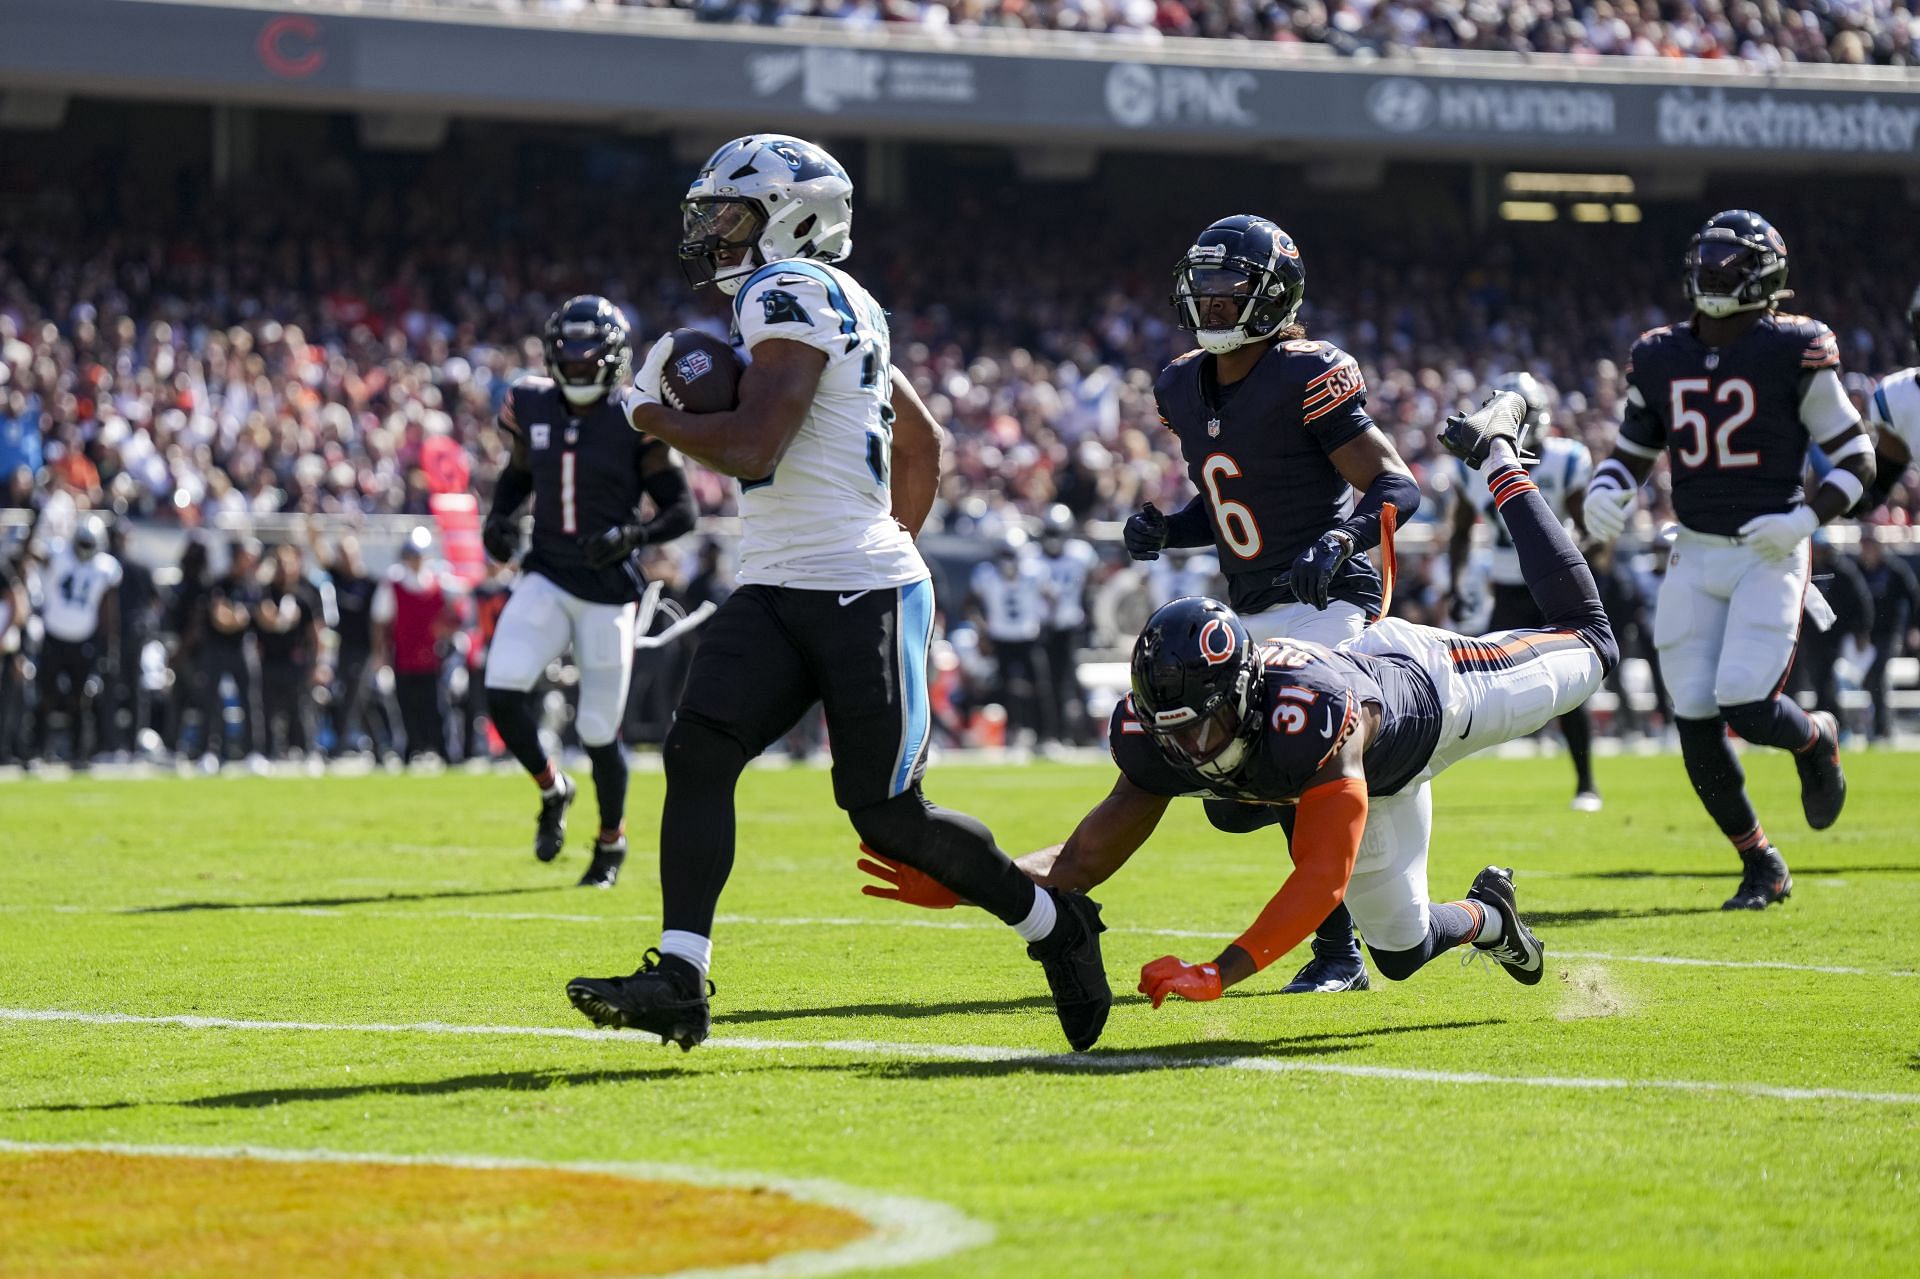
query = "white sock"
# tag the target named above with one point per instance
(1040, 920)
(1492, 925)
(691, 947)
(559, 786)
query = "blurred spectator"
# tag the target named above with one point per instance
(186, 617)
(1009, 595)
(125, 706)
(356, 721)
(1068, 562)
(1896, 604)
(14, 610)
(287, 631)
(412, 617)
(226, 656)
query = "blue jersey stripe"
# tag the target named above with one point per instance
(837, 296)
(1880, 405)
(916, 637)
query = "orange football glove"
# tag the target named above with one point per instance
(905, 884)
(1169, 976)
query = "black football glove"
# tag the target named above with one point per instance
(613, 545)
(1461, 610)
(1314, 571)
(1145, 533)
(501, 538)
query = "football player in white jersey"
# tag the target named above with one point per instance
(1012, 594)
(77, 617)
(1894, 412)
(1560, 471)
(838, 463)
(1069, 562)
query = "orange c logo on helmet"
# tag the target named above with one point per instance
(1216, 632)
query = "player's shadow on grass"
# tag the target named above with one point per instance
(1723, 873)
(498, 1081)
(1137, 1061)
(1601, 914)
(299, 903)
(906, 1011)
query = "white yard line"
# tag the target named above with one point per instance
(869, 1048)
(906, 1231)
(941, 925)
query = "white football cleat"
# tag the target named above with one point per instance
(1587, 801)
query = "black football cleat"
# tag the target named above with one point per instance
(604, 872)
(1516, 948)
(1070, 957)
(1823, 786)
(1470, 436)
(1765, 880)
(666, 997)
(1335, 966)
(550, 835)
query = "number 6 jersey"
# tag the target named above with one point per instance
(1735, 419)
(823, 519)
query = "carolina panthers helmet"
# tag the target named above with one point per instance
(589, 348)
(1737, 262)
(764, 197)
(1196, 686)
(1539, 407)
(88, 536)
(1252, 263)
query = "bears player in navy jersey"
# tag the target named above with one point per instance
(1276, 437)
(1350, 738)
(1734, 395)
(580, 579)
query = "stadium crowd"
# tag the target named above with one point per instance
(1763, 33)
(341, 350)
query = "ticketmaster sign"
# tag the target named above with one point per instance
(1187, 95)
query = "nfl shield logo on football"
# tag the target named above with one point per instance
(1213, 428)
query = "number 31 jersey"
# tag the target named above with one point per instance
(1729, 417)
(823, 520)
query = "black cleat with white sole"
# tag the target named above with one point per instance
(1335, 967)
(550, 835)
(1070, 957)
(1823, 786)
(1764, 880)
(604, 872)
(1516, 948)
(1470, 436)
(666, 997)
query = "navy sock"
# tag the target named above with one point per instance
(1556, 574)
(1337, 929)
(1719, 781)
(1778, 721)
(610, 783)
(512, 716)
(1449, 924)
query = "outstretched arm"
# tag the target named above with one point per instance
(1326, 842)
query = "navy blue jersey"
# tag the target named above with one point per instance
(1259, 451)
(587, 479)
(1310, 702)
(1728, 417)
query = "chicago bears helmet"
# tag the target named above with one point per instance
(589, 346)
(760, 199)
(1255, 267)
(1196, 685)
(1737, 262)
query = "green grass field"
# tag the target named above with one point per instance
(1757, 1112)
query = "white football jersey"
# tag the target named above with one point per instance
(1895, 406)
(823, 519)
(72, 591)
(1068, 572)
(1016, 605)
(1564, 469)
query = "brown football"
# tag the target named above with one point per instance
(702, 374)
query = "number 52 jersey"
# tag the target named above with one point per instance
(822, 519)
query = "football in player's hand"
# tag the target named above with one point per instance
(702, 374)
